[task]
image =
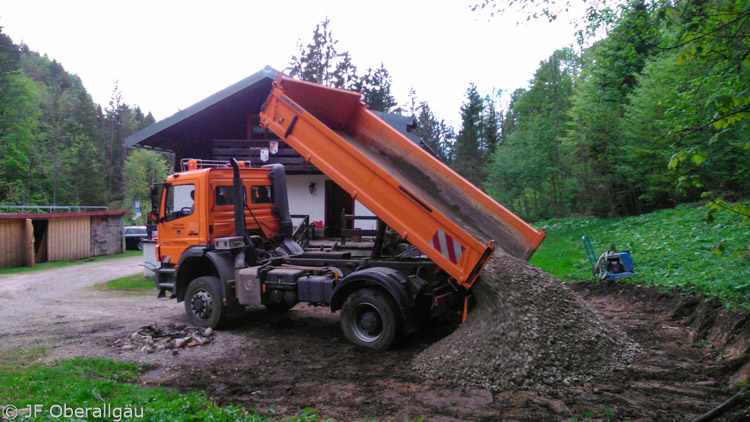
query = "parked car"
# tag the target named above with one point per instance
(134, 237)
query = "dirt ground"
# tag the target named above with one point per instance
(692, 355)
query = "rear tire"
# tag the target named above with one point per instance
(370, 318)
(204, 303)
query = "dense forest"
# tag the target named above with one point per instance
(651, 109)
(57, 147)
(652, 114)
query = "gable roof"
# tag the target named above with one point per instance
(224, 116)
(163, 134)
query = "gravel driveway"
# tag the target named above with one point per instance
(57, 308)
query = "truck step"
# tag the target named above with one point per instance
(163, 287)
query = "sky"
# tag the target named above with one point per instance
(167, 55)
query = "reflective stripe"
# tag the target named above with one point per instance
(447, 246)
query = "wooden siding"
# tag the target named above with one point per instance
(29, 243)
(12, 241)
(69, 238)
(249, 150)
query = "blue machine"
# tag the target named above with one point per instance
(611, 264)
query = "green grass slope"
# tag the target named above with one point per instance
(670, 248)
(99, 384)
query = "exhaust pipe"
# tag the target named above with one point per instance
(239, 211)
(281, 206)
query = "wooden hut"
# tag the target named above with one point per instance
(28, 239)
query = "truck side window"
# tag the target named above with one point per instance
(262, 194)
(180, 201)
(225, 195)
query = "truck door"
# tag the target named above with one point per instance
(182, 210)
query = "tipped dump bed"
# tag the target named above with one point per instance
(450, 220)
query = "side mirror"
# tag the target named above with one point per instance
(150, 229)
(156, 190)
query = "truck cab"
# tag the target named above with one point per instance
(197, 206)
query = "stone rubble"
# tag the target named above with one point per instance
(168, 338)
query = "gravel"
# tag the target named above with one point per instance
(528, 330)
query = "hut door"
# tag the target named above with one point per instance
(28, 246)
(40, 240)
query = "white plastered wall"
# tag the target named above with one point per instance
(301, 201)
(361, 211)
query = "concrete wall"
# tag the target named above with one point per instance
(106, 235)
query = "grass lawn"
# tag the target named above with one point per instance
(64, 263)
(671, 249)
(131, 283)
(82, 383)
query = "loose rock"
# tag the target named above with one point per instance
(170, 338)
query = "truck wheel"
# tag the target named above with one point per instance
(370, 318)
(204, 303)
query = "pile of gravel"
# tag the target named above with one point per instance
(528, 330)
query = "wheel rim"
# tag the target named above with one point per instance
(201, 304)
(140, 245)
(367, 323)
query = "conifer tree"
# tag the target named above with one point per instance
(469, 160)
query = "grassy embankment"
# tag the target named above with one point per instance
(81, 383)
(132, 283)
(671, 249)
(67, 262)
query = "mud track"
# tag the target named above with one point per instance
(693, 355)
(300, 359)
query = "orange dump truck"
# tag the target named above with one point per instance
(228, 246)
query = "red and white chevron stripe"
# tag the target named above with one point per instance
(447, 246)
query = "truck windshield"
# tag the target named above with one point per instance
(180, 201)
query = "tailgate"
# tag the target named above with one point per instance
(447, 218)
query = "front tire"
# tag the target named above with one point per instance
(204, 303)
(371, 319)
